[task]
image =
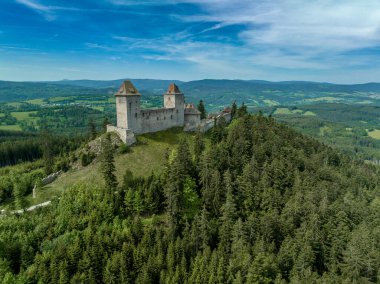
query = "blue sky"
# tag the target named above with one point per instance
(316, 40)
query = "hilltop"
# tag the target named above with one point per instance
(253, 202)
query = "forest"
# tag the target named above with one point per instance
(250, 202)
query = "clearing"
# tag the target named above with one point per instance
(374, 134)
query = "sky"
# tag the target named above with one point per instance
(311, 40)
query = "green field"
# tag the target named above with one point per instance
(99, 108)
(374, 134)
(23, 115)
(10, 127)
(58, 99)
(287, 111)
(36, 101)
(271, 102)
(283, 110)
(323, 99)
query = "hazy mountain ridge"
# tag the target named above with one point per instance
(218, 92)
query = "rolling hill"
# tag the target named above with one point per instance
(215, 93)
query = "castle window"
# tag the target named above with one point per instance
(143, 114)
(164, 117)
(171, 117)
(136, 114)
(158, 118)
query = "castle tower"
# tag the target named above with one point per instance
(128, 106)
(175, 99)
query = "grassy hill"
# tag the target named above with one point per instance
(146, 157)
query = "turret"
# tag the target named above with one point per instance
(174, 98)
(128, 106)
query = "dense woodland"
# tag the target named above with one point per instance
(252, 202)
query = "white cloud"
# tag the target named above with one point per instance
(45, 11)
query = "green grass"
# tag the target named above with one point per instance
(100, 108)
(23, 115)
(271, 102)
(323, 99)
(14, 104)
(10, 127)
(324, 130)
(147, 156)
(283, 110)
(36, 101)
(59, 99)
(374, 134)
(309, 113)
(286, 111)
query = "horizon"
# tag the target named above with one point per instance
(187, 81)
(324, 41)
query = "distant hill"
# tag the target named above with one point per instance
(216, 93)
(141, 84)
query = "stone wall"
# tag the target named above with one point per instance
(126, 135)
(50, 178)
(153, 120)
(207, 124)
(192, 120)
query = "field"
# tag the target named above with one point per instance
(23, 115)
(36, 101)
(374, 134)
(10, 127)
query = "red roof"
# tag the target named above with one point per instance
(173, 89)
(127, 89)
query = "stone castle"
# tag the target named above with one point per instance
(131, 119)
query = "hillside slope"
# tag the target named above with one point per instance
(260, 204)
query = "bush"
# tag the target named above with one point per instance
(123, 148)
(86, 159)
(62, 165)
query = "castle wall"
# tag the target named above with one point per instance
(153, 120)
(127, 110)
(121, 112)
(192, 120)
(126, 135)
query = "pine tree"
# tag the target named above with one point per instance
(48, 152)
(105, 123)
(228, 217)
(107, 165)
(199, 146)
(242, 110)
(202, 109)
(92, 128)
(233, 110)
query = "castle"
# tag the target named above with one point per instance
(131, 119)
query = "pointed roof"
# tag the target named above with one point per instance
(173, 89)
(127, 89)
